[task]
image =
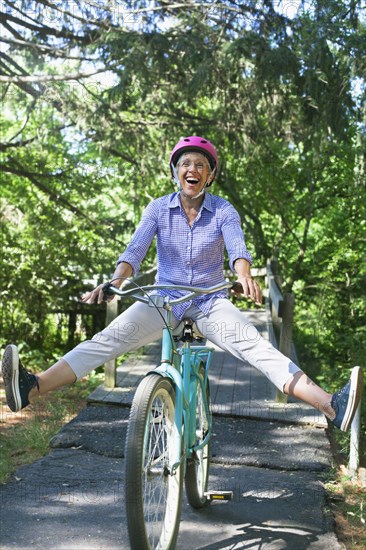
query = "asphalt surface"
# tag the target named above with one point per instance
(72, 499)
(270, 455)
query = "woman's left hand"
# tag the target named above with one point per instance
(251, 289)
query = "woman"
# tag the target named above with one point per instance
(193, 228)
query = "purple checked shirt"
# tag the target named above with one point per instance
(189, 255)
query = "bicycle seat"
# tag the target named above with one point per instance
(187, 325)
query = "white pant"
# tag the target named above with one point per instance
(225, 326)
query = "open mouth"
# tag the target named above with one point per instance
(192, 181)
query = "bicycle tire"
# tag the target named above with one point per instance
(153, 496)
(198, 466)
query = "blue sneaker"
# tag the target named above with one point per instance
(18, 382)
(345, 401)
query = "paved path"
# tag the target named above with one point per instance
(273, 457)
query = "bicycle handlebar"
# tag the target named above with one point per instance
(110, 290)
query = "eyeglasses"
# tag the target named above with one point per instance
(196, 165)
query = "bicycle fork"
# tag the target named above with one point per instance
(185, 383)
(168, 371)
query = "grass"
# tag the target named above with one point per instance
(25, 436)
(347, 496)
(348, 504)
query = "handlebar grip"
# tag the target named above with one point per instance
(106, 291)
(237, 287)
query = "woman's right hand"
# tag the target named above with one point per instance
(95, 296)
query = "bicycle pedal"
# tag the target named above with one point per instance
(219, 495)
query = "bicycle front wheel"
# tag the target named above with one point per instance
(153, 492)
(197, 469)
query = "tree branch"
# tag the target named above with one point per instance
(300, 257)
(17, 169)
(23, 72)
(5, 146)
(10, 29)
(45, 31)
(17, 79)
(53, 52)
(23, 86)
(97, 22)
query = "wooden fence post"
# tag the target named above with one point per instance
(110, 372)
(276, 271)
(354, 451)
(286, 333)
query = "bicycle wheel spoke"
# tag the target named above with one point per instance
(156, 470)
(198, 466)
(153, 515)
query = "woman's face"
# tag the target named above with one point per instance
(193, 173)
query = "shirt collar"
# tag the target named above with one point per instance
(207, 201)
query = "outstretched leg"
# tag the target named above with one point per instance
(340, 407)
(229, 328)
(137, 326)
(22, 387)
(60, 374)
(302, 387)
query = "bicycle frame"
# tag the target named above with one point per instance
(185, 376)
(181, 365)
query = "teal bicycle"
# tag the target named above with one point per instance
(169, 427)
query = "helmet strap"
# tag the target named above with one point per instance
(196, 196)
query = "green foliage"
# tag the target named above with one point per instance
(279, 94)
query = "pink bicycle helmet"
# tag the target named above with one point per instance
(199, 145)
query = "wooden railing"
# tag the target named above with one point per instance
(280, 309)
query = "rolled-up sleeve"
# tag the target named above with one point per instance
(142, 238)
(234, 237)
